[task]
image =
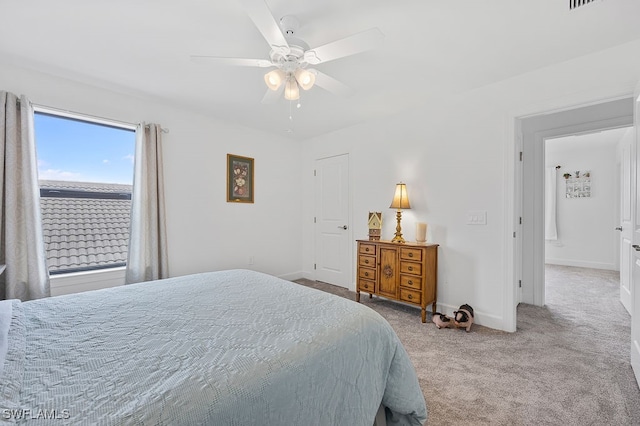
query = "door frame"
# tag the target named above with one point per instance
(533, 235)
(635, 257)
(513, 173)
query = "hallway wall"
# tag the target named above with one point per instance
(586, 225)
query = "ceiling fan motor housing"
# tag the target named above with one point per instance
(294, 59)
(289, 25)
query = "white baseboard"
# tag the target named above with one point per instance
(583, 264)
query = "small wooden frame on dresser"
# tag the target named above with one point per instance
(406, 272)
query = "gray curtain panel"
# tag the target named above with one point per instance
(21, 240)
(147, 258)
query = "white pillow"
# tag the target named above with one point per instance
(5, 322)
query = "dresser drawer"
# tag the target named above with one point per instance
(410, 296)
(367, 261)
(365, 248)
(411, 282)
(411, 254)
(367, 273)
(411, 268)
(365, 285)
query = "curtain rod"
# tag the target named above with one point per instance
(80, 115)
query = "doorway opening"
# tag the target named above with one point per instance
(534, 132)
(585, 188)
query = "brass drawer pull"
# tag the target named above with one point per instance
(409, 297)
(410, 281)
(366, 274)
(410, 268)
(366, 261)
(410, 254)
(366, 249)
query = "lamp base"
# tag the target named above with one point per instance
(398, 237)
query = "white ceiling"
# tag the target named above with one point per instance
(432, 48)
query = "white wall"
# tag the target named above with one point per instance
(586, 234)
(446, 177)
(457, 155)
(204, 231)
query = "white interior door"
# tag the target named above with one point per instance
(626, 155)
(635, 274)
(332, 231)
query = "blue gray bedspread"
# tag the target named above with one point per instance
(223, 348)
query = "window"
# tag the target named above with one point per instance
(85, 171)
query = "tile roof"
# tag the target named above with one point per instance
(85, 186)
(85, 233)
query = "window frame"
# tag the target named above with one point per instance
(114, 269)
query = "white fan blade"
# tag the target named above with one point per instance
(272, 96)
(240, 62)
(366, 40)
(332, 85)
(263, 19)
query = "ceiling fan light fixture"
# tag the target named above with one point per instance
(305, 79)
(274, 79)
(291, 91)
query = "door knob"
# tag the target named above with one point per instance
(342, 227)
(618, 228)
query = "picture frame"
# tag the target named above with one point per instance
(240, 179)
(578, 184)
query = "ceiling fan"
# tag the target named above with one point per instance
(291, 56)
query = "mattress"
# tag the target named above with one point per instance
(231, 347)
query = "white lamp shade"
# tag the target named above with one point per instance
(400, 198)
(305, 78)
(291, 91)
(274, 79)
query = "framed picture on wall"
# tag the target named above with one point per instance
(240, 173)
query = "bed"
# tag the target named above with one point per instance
(232, 347)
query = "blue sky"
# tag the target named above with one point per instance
(83, 152)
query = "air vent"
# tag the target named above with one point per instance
(577, 3)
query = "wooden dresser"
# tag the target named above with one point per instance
(406, 272)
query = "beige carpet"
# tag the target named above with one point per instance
(568, 363)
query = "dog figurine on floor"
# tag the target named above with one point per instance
(463, 317)
(441, 320)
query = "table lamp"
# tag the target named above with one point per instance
(400, 202)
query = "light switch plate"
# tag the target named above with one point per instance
(477, 217)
